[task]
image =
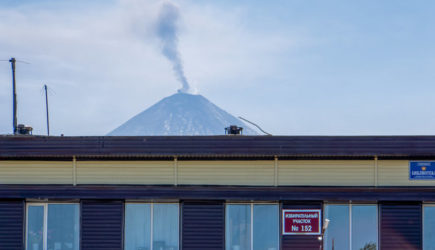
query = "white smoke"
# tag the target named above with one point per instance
(167, 31)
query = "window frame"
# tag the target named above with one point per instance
(251, 204)
(45, 221)
(152, 219)
(350, 204)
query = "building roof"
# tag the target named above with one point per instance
(216, 147)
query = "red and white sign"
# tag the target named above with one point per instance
(301, 221)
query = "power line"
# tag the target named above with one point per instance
(255, 125)
(20, 61)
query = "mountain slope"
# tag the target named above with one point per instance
(181, 114)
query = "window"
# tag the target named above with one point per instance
(52, 227)
(337, 234)
(428, 227)
(364, 227)
(266, 227)
(151, 226)
(351, 227)
(252, 227)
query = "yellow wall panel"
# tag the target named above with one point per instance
(396, 173)
(226, 172)
(36, 172)
(290, 173)
(326, 173)
(125, 172)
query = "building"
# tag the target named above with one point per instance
(217, 192)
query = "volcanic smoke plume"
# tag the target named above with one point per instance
(168, 34)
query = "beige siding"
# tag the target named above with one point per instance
(226, 172)
(326, 173)
(396, 173)
(125, 172)
(36, 172)
(290, 173)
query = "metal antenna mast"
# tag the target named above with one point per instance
(46, 108)
(14, 96)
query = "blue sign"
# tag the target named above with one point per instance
(422, 170)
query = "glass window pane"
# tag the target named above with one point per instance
(137, 227)
(364, 227)
(337, 234)
(238, 227)
(63, 227)
(429, 228)
(266, 234)
(35, 225)
(165, 227)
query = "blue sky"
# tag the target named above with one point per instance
(293, 67)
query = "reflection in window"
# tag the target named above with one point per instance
(35, 227)
(165, 228)
(355, 233)
(63, 227)
(159, 221)
(429, 228)
(364, 227)
(337, 235)
(137, 226)
(259, 220)
(266, 228)
(238, 224)
(61, 231)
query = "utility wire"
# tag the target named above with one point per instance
(20, 61)
(255, 125)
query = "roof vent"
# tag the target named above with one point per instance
(233, 130)
(24, 130)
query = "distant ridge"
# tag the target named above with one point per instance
(181, 114)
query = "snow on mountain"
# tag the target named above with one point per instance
(181, 114)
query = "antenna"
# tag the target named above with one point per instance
(46, 108)
(14, 96)
(255, 125)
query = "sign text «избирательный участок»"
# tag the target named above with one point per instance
(301, 221)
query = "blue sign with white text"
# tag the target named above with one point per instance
(422, 170)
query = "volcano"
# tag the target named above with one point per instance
(181, 114)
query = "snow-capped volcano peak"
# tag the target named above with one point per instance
(181, 114)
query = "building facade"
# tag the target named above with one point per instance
(217, 192)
